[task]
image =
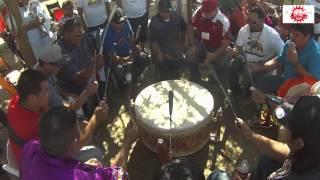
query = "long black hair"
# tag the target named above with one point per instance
(304, 122)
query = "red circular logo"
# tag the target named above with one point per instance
(298, 14)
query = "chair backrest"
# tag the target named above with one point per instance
(11, 167)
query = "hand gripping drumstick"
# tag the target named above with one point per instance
(101, 48)
(106, 29)
(170, 118)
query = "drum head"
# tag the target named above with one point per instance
(192, 104)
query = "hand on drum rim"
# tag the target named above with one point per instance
(131, 133)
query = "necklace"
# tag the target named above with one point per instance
(254, 43)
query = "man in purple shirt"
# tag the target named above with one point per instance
(52, 157)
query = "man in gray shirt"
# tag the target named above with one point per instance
(49, 63)
(76, 74)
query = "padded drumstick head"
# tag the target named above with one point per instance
(170, 102)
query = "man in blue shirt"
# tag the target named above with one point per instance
(300, 58)
(119, 47)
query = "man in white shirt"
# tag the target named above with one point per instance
(259, 43)
(137, 12)
(93, 13)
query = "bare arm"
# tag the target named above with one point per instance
(130, 135)
(292, 57)
(89, 91)
(275, 149)
(267, 66)
(100, 114)
(212, 56)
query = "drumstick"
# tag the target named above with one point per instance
(170, 118)
(244, 57)
(223, 90)
(94, 66)
(214, 73)
(137, 33)
(109, 69)
(106, 29)
(93, 76)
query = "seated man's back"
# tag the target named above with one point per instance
(52, 158)
(36, 164)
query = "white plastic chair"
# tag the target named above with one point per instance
(11, 167)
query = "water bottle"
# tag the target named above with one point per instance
(243, 169)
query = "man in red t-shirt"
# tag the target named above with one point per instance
(210, 28)
(25, 108)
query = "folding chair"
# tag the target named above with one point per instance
(11, 166)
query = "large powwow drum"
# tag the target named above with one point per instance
(192, 109)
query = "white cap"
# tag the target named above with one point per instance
(52, 54)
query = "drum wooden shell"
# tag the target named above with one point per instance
(192, 109)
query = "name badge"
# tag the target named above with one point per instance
(205, 36)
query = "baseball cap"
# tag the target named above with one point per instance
(209, 5)
(52, 54)
(118, 16)
(165, 5)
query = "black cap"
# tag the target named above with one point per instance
(118, 16)
(165, 5)
(304, 117)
